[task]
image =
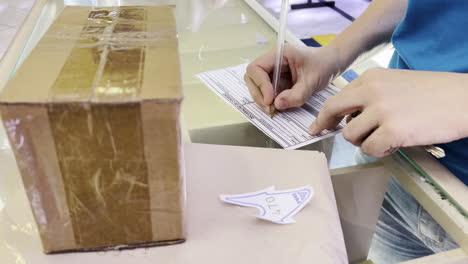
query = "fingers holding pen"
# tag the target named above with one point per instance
(259, 82)
(294, 97)
(257, 95)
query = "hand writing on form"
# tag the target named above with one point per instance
(398, 108)
(304, 70)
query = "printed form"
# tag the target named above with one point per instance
(288, 128)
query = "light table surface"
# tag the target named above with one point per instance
(215, 36)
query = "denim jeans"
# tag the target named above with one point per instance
(404, 230)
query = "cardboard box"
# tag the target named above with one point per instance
(93, 119)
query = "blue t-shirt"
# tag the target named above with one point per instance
(433, 36)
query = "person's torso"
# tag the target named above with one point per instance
(433, 36)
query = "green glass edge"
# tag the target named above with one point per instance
(438, 188)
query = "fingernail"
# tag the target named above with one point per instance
(266, 109)
(312, 129)
(282, 104)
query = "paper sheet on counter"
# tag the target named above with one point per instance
(288, 128)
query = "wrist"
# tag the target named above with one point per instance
(337, 60)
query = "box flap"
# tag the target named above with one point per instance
(214, 169)
(102, 55)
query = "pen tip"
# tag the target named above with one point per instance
(272, 111)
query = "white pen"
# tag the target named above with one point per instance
(279, 51)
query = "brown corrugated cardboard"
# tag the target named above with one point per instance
(93, 118)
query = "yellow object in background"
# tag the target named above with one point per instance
(324, 39)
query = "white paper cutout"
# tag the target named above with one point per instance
(275, 206)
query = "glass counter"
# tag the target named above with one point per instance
(212, 34)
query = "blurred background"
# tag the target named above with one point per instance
(315, 26)
(318, 23)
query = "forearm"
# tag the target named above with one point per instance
(454, 105)
(373, 27)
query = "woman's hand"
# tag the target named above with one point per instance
(304, 71)
(399, 108)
